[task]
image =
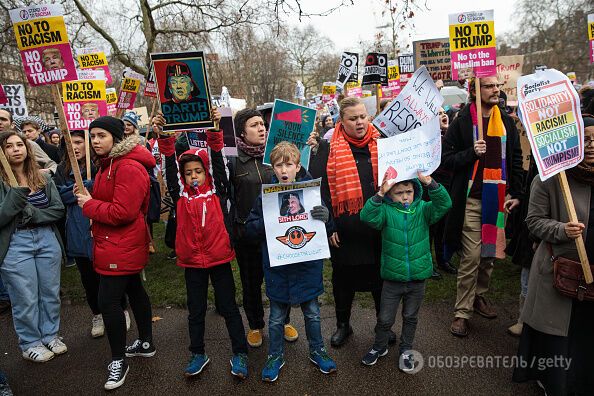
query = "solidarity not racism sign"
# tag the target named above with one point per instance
(550, 111)
(84, 99)
(42, 40)
(14, 100)
(292, 235)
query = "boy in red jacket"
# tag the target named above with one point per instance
(202, 242)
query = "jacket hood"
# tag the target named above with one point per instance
(417, 197)
(208, 186)
(130, 148)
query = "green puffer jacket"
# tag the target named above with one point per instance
(406, 249)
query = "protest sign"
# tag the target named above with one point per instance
(197, 137)
(370, 103)
(143, 116)
(3, 98)
(550, 111)
(393, 88)
(291, 123)
(292, 235)
(112, 99)
(434, 54)
(84, 100)
(328, 91)
(472, 44)
(354, 89)
(416, 104)
(300, 91)
(406, 63)
(510, 69)
(376, 69)
(150, 87)
(406, 153)
(43, 42)
(15, 100)
(591, 36)
(347, 70)
(94, 59)
(183, 90)
(129, 89)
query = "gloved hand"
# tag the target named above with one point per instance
(320, 213)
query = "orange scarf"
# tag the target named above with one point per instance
(343, 176)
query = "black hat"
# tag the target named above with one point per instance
(241, 118)
(113, 125)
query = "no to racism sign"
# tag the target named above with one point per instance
(84, 100)
(94, 59)
(591, 36)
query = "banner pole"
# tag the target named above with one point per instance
(88, 154)
(479, 107)
(12, 181)
(377, 98)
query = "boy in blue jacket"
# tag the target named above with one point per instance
(287, 285)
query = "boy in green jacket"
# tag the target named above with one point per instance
(404, 219)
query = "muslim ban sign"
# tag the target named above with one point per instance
(15, 100)
(291, 123)
(550, 112)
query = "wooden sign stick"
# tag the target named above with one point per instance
(479, 107)
(12, 181)
(573, 218)
(88, 154)
(377, 98)
(67, 138)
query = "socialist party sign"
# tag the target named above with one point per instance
(376, 69)
(472, 44)
(94, 59)
(42, 40)
(550, 112)
(14, 101)
(292, 235)
(348, 69)
(84, 100)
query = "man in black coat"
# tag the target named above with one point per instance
(463, 226)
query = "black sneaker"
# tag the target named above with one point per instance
(371, 357)
(118, 369)
(141, 349)
(406, 362)
(172, 255)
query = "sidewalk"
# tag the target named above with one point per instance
(83, 370)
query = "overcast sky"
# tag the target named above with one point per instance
(351, 24)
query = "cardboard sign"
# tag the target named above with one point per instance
(299, 90)
(112, 99)
(472, 44)
(328, 91)
(43, 42)
(416, 104)
(143, 116)
(550, 112)
(376, 69)
(15, 100)
(591, 36)
(84, 100)
(150, 87)
(434, 54)
(292, 123)
(348, 69)
(197, 137)
(93, 59)
(183, 90)
(406, 153)
(510, 69)
(292, 235)
(393, 88)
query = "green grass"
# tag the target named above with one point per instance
(166, 286)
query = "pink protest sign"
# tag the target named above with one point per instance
(84, 100)
(94, 59)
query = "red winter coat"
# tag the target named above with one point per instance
(201, 240)
(118, 209)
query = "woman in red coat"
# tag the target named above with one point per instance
(117, 207)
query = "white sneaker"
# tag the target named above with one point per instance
(57, 346)
(38, 354)
(98, 329)
(127, 316)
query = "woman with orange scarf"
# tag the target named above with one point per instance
(348, 168)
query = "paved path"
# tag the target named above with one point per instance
(82, 371)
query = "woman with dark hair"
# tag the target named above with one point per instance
(30, 250)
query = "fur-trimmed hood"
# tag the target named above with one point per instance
(129, 148)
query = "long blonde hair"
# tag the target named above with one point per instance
(35, 179)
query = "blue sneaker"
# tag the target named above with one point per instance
(324, 362)
(371, 357)
(239, 365)
(197, 363)
(272, 368)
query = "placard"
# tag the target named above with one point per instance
(197, 137)
(376, 69)
(591, 36)
(393, 88)
(111, 99)
(84, 100)
(94, 59)
(434, 54)
(348, 69)
(510, 69)
(150, 87)
(15, 102)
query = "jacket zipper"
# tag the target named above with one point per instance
(406, 246)
(203, 213)
(258, 170)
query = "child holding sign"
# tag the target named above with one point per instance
(202, 242)
(287, 285)
(404, 219)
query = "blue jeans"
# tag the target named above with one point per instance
(3, 291)
(31, 272)
(276, 325)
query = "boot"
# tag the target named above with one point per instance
(516, 329)
(343, 331)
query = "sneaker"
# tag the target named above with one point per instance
(141, 349)
(118, 369)
(324, 362)
(98, 328)
(57, 346)
(406, 362)
(272, 368)
(371, 357)
(196, 364)
(239, 365)
(127, 317)
(38, 354)
(172, 255)
(70, 262)
(291, 333)
(254, 338)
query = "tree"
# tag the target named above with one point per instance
(400, 15)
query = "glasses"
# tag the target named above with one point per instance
(491, 86)
(588, 142)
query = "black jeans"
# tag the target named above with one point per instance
(224, 288)
(436, 233)
(90, 282)
(344, 286)
(249, 259)
(111, 291)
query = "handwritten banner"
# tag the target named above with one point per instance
(510, 69)
(434, 54)
(15, 102)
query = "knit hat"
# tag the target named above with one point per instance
(132, 118)
(53, 132)
(588, 120)
(113, 125)
(242, 116)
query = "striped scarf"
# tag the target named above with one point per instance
(494, 184)
(343, 176)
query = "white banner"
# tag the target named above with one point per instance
(16, 104)
(292, 235)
